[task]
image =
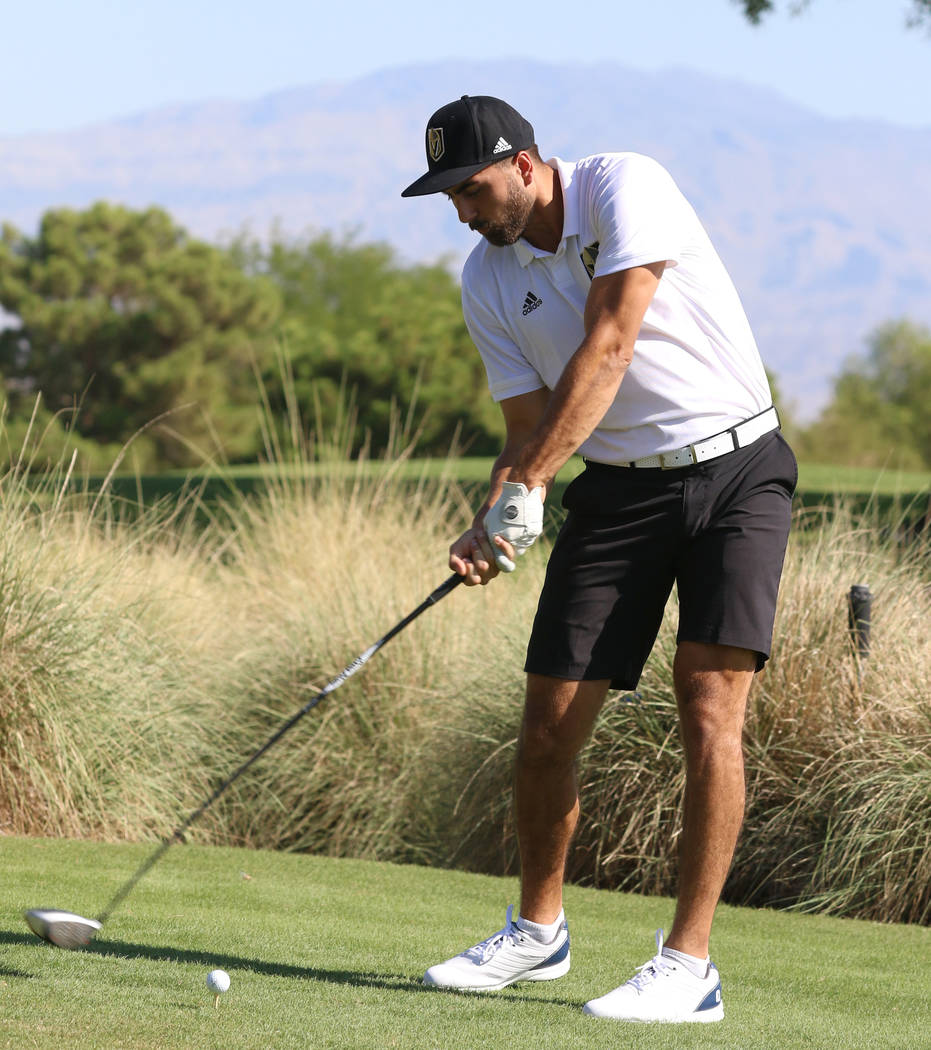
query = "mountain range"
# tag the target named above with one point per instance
(825, 225)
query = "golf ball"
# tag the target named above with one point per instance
(218, 981)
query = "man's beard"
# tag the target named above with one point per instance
(517, 210)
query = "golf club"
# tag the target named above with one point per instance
(68, 930)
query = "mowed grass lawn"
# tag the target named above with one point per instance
(469, 470)
(330, 953)
(816, 477)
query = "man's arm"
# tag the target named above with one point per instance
(614, 312)
(471, 555)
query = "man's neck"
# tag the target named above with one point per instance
(544, 230)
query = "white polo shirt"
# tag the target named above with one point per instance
(696, 369)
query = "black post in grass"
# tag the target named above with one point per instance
(859, 610)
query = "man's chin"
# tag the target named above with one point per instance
(500, 238)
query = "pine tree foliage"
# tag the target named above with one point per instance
(123, 317)
(359, 325)
(918, 14)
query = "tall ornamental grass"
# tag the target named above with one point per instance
(143, 656)
(106, 688)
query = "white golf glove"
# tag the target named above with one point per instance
(516, 516)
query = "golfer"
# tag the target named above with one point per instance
(608, 326)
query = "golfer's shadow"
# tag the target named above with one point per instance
(213, 960)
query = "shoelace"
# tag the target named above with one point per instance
(649, 972)
(657, 967)
(489, 947)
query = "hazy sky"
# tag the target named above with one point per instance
(67, 63)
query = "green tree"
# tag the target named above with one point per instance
(784, 407)
(358, 323)
(879, 413)
(125, 317)
(754, 10)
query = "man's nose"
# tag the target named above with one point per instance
(465, 210)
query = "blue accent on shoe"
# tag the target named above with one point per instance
(557, 956)
(711, 1000)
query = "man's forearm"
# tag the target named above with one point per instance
(614, 312)
(584, 393)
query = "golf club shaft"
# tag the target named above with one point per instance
(347, 672)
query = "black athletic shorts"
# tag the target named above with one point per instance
(718, 530)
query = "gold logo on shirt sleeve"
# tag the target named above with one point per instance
(589, 258)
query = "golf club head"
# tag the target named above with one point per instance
(61, 928)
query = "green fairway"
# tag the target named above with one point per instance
(817, 482)
(329, 953)
(477, 469)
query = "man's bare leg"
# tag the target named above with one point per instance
(712, 683)
(558, 718)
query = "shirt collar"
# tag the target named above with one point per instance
(525, 252)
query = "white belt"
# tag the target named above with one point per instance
(717, 445)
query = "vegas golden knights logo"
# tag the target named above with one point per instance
(589, 256)
(436, 143)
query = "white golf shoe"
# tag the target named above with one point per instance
(663, 990)
(507, 956)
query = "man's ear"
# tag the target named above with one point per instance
(524, 163)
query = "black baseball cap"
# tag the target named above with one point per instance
(466, 136)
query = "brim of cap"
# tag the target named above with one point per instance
(437, 181)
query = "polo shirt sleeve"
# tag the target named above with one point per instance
(508, 370)
(638, 212)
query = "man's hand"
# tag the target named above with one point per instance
(473, 556)
(517, 517)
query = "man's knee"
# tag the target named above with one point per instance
(558, 719)
(712, 684)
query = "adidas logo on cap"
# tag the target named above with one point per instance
(531, 303)
(501, 145)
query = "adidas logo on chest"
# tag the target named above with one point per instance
(531, 302)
